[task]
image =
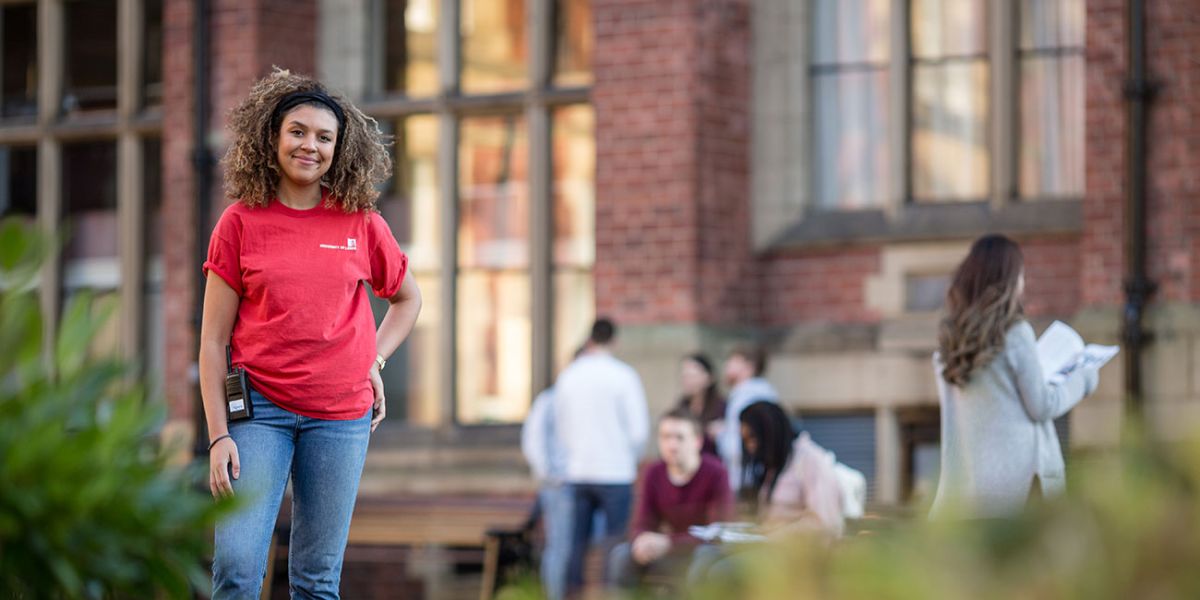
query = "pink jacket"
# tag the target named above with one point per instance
(808, 489)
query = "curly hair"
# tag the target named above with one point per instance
(252, 170)
(981, 305)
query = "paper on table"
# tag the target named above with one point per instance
(1061, 350)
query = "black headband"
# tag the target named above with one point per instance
(295, 99)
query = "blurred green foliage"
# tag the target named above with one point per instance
(1129, 527)
(89, 506)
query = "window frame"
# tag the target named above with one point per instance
(127, 127)
(536, 103)
(785, 212)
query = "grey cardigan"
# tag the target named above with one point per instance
(998, 431)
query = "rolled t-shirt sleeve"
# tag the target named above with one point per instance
(224, 253)
(389, 264)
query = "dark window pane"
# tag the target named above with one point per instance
(925, 293)
(89, 193)
(152, 191)
(18, 45)
(154, 330)
(573, 42)
(494, 46)
(493, 315)
(410, 60)
(152, 48)
(90, 55)
(18, 181)
(852, 125)
(90, 259)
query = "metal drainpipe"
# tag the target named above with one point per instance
(202, 161)
(1139, 93)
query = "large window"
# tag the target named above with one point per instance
(851, 52)
(493, 197)
(89, 170)
(949, 118)
(1051, 105)
(912, 119)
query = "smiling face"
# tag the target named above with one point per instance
(307, 139)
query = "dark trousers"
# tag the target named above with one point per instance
(614, 500)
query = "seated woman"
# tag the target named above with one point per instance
(793, 482)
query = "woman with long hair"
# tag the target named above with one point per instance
(998, 440)
(789, 479)
(701, 397)
(289, 267)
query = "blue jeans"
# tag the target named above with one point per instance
(614, 501)
(558, 523)
(324, 460)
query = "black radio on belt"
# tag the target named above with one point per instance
(237, 390)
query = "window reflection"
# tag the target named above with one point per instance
(1051, 99)
(950, 148)
(573, 43)
(574, 172)
(90, 55)
(411, 208)
(18, 69)
(154, 331)
(410, 62)
(494, 334)
(90, 259)
(851, 121)
(494, 47)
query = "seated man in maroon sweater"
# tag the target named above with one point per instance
(683, 489)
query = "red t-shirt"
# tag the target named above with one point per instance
(305, 332)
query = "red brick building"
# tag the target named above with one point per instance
(805, 174)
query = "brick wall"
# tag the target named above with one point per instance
(822, 285)
(1174, 185)
(1173, 208)
(1052, 281)
(246, 39)
(671, 98)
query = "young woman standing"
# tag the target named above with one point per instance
(999, 445)
(288, 271)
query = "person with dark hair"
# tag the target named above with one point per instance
(790, 479)
(683, 489)
(603, 332)
(701, 397)
(289, 268)
(999, 444)
(601, 418)
(744, 370)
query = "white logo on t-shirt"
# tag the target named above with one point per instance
(351, 244)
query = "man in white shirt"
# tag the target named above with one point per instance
(601, 419)
(744, 371)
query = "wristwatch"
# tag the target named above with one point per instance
(379, 361)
